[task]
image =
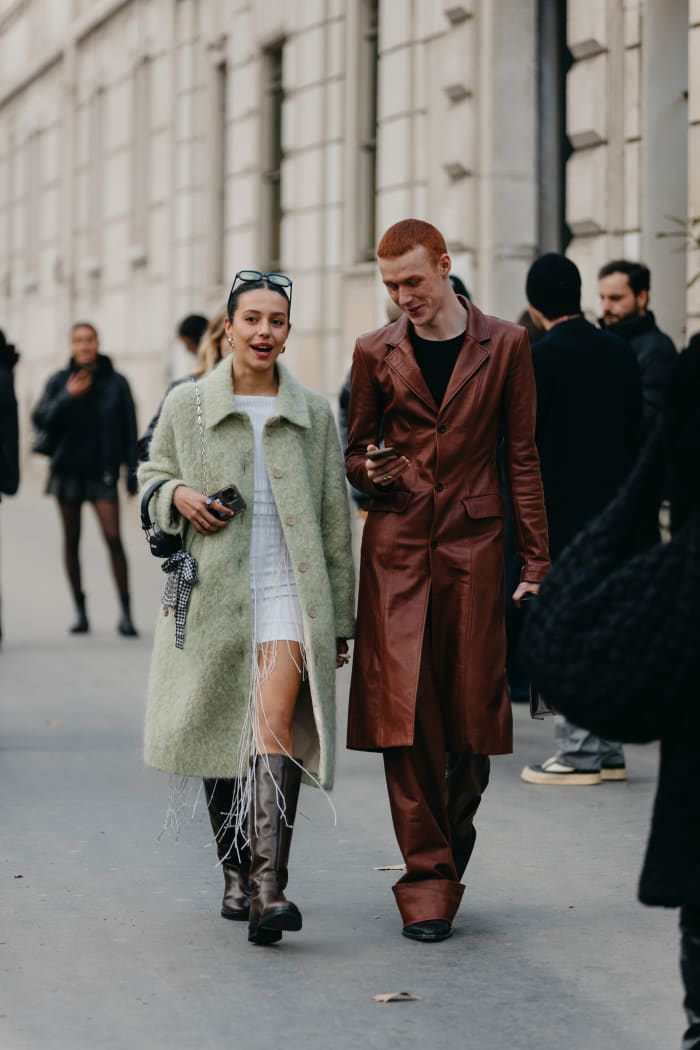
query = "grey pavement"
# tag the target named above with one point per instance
(110, 936)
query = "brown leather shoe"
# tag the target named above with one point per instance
(233, 853)
(276, 788)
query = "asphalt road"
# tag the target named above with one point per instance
(110, 936)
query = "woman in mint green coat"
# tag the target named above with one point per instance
(259, 604)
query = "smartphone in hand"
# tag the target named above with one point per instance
(381, 455)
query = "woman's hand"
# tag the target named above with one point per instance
(342, 656)
(78, 383)
(383, 473)
(193, 506)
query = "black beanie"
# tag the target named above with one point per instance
(554, 286)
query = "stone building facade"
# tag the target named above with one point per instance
(150, 148)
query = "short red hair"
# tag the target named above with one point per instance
(409, 233)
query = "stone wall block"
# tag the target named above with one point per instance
(395, 24)
(632, 181)
(633, 23)
(694, 76)
(586, 191)
(116, 185)
(586, 27)
(394, 70)
(456, 68)
(430, 21)
(304, 60)
(586, 115)
(160, 174)
(243, 141)
(633, 57)
(394, 152)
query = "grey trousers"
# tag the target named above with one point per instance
(585, 750)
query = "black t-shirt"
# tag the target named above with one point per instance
(436, 359)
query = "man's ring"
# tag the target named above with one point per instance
(388, 477)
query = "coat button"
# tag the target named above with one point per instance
(439, 486)
(277, 473)
(165, 612)
(312, 613)
(442, 428)
(290, 519)
(303, 566)
(433, 544)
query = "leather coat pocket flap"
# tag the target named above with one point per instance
(392, 502)
(489, 506)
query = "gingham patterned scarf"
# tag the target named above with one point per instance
(183, 569)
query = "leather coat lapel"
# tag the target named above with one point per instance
(402, 361)
(473, 353)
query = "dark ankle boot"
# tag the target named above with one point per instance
(125, 625)
(276, 787)
(233, 853)
(81, 625)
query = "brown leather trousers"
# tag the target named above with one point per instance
(433, 797)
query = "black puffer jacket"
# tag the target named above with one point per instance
(656, 355)
(90, 436)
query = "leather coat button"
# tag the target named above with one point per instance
(303, 566)
(433, 544)
(439, 486)
(165, 612)
(291, 520)
(312, 613)
(277, 473)
(442, 428)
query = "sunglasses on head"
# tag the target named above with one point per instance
(279, 279)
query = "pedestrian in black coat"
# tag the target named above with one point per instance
(588, 433)
(589, 422)
(9, 433)
(624, 289)
(87, 424)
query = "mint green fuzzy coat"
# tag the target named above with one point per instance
(199, 695)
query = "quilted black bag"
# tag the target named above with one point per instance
(161, 544)
(613, 639)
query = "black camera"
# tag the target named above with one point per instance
(231, 498)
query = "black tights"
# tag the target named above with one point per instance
(108, 517)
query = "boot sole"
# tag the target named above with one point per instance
(236, 916)
(268, 929)
(258, 936)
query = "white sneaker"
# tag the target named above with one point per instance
(554, 771)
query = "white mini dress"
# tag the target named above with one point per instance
(276, 612)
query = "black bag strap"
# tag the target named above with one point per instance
(146, 522)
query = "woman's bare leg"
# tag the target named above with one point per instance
(280, 665)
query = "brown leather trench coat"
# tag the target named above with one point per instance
(437, 534)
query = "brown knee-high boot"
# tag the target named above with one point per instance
(233, 853)
(272, 814)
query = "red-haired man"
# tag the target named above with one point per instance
(439, 386)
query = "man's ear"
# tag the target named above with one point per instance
(643, 300)
(444, 264)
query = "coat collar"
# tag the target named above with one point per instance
(472, 355)
(291, 399)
